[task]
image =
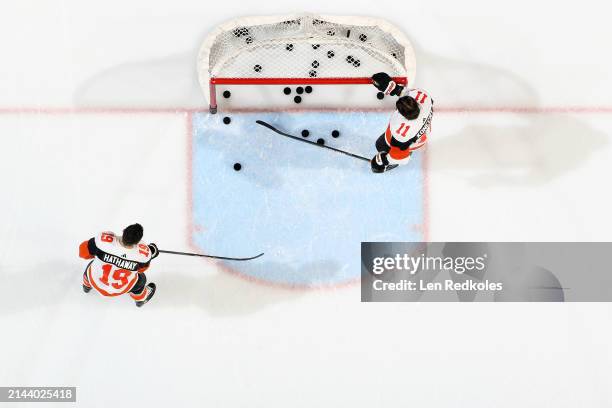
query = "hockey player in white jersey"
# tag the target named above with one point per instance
(118, 264)
(408, 126)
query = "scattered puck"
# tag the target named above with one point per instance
(287, 91)
(239, 32)
(321, 141)
(308, 89)
(237, 166)
(330, 54)
(299, 90)
(305, 133)
(335, 133)
(227, 94)
(227, 120)
(380, 95)
(312, 73)
(257, 68)
(297, 99)
(289, 47)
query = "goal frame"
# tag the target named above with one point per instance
(210, 83)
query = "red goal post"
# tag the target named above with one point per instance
(302, 50)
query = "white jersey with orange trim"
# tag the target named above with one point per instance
(115, 268)
(401, 130)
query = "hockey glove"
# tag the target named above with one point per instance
(154, 250)
(383, 82)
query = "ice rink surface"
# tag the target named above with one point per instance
(100, 124)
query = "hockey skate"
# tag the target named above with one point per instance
(151, 287)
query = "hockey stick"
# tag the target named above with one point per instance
(272, 128)
(161, 251)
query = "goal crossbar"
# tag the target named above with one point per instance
(299, 81)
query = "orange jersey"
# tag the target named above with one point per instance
(115, 268)
(401, 131)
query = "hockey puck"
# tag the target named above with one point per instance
(297, 99)
(308, 89)
(299, 90)
(335, 133)
(287, 91)
(321, 141)
(380, 95)
(305, 133)
(227, 94)
(227, 120)
(237, 166)
(239, 32)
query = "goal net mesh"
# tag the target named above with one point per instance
(303, 47)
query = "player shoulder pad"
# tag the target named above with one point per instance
(145, 253)
(140, 253)
(104, 238)
(421, 96)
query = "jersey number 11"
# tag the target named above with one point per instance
(403, 127)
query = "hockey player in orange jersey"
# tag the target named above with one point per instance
(408, 126)
(118, 264)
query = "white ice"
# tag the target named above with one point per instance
(95, 108)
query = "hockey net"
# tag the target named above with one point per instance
(302, 50)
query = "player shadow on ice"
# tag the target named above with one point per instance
(40, 287)
(169, 82)
(535, 149)
(218, 294)
(460, 83)
(531, 153)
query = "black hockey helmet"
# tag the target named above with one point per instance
(132, 234)
(408, 107)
